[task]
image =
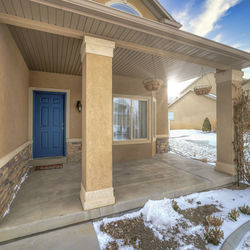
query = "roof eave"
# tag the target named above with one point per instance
(161, 13)
(105, 13)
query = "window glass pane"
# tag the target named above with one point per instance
(154, 120)
(140, 126)
(125, 8)
(121, 119)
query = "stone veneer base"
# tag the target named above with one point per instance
(11, 177)
(162, 145)
(74, 151)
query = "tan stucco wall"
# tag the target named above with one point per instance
(61, 81)
(122, 85)
(145, 12)
(14, 81)
(191, 110)
(162, 111)
(97, 122)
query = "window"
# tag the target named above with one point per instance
(130, 119)
(170, 116)
(125, 8)
(154, 119)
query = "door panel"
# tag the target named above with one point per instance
(49, 114)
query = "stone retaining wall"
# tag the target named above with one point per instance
(11, 177)
(74, 151)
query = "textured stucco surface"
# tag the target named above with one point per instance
(61, 81)
(191, 110)
(14, 81)
(97, 122)
(162, 111)
(228, 84)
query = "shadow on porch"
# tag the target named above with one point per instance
(50, 199)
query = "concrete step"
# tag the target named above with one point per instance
(48, 161)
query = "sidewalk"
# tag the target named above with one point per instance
(78, 237)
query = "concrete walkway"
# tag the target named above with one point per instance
(49, 199)
(77, 237)
(235, 237)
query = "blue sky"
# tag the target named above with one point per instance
(225, 21)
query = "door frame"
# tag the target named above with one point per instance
(66, 93)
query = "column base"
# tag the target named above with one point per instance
(225, 168)
(98, 198)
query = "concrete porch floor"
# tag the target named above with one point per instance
(49, 199)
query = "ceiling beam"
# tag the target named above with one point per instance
(41, 26)
(169, 54)
(54, 29)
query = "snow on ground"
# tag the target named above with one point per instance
(193, 144)
(245, 243)
(159, 215)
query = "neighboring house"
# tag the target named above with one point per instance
(58, 58)
(190, 110)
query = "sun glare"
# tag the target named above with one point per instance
(175, 88)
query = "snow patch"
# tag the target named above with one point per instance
(160, 216)
(16, 189)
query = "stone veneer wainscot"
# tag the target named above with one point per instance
(11, 176)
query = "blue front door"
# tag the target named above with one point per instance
(49, 124)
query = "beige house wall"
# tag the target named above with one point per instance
(40, 79)
(122, 85)
(14, 82)
(191, 110)
(143, 10)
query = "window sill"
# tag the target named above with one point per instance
(139, 141)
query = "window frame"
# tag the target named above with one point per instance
(109, 3)
(154, 117)
(133, 140)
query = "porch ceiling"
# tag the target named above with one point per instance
(137, 39)
(54, 53)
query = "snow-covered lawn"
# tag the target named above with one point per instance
(158, 226)
(193, 144)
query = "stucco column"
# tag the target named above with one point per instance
(228, 85)
(96, 186)
(162, 119)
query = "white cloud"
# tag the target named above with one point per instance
(207, 20)
(218, 38)
(183, 16)
(213, 11)
(236, 45)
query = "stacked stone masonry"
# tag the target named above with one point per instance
(161, 145)
(74, 151)
(10, 177)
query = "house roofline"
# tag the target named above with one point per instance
(195, 81)
(146, 25)
(160, 12)
(210, 96)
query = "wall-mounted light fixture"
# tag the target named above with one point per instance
(79, 106)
